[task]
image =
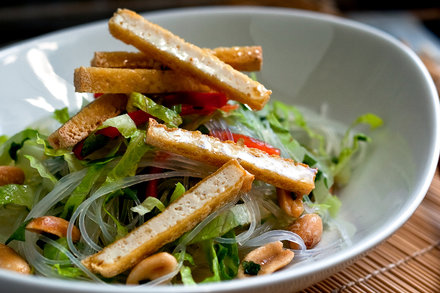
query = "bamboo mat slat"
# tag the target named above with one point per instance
(408, 261)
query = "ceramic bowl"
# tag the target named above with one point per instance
(310, 60)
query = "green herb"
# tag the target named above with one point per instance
(251, 268)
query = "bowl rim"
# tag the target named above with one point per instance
(282, 276)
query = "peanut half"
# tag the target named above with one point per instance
(10, 260)
(53, 225)
(268, 259)
(292, 206)
(152, 267)
(309, 228)
(11, 175)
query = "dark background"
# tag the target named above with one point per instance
(23, 19)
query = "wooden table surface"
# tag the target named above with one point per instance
(409, 261)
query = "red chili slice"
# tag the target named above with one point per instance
(197, 99)
(139, 117)
(247, 141)
(110, 131)
(151, 188)
(77, 149)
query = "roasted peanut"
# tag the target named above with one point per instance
(292, 207)
(268, 259)
(10, 260)
(309, 228)
(53, 225)
(11, 175)
(153, 267)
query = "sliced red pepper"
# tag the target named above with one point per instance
(197, 99)
(77, 149)
(139, 117)
(110, 131)
(151, 188)
(229, 107)
(247, 141)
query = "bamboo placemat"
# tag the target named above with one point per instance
(409, 261)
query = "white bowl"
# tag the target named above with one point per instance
(309, 59)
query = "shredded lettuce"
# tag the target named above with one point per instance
(178, 192)
(341, 166)
(234, 217)
(222, 258)
(185, 271)
(54, 253)
(127, 165)
(22, 195)
(61, 115)
(123, 123)
(42, 170)
(148, 205)
(19, 234)
(9, 148)
(82, 190)
(168, 116)
(3, 139)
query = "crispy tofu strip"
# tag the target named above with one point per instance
(123, 80)
(213, 192)
(186, 58)
(87, 120)
(249, 58)
(280, 172)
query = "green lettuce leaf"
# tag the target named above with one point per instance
(228, 259)
(127, 165)
(9, 148)
(186, 275)
(61, 115)
(168, 116)
(42, 170)
(148, 205)
(54, 253)
(82, 190)
(68, 271)
(222, 258)
(211, 256)
(123, 123)
(3, 139)
(20, 233)
(238, 215)
(178, 192)
(22, 195)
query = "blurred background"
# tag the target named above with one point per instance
(22, 19)
(416, 23)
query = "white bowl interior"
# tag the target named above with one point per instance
(309, 60)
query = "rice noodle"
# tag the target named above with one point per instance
(275, 235)
(83, 208)
(61, 190)
(254, 219)
(72, 258)
(219, 128)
